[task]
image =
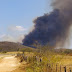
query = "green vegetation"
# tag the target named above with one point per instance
(49, 58)
(11, 46)
(26, 50)
(39, 59)
(44, 58)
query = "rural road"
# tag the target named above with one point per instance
(9, 63)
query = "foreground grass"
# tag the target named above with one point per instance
(42, 66)
(67, 60)
(49, 61)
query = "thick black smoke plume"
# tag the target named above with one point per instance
(52, 28)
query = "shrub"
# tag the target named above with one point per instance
(26, 50)
(4, 52)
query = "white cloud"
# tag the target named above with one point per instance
(3, 35)
(10, 38)
(17, 28)
(14, 34)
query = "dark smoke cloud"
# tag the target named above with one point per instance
(52, 28)
(65, 6)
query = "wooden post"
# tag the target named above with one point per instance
(70, 69)
(60, 68)
(47, 67)
(56, 67)
(52, 67)
(33, 69)
(65, 68)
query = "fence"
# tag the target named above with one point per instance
(53, 67)
(63, 68)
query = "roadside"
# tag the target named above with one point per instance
(8, 64)
(21, 68)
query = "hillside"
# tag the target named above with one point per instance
(11, 46)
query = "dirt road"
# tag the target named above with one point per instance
(9, 63)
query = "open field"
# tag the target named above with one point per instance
(10, 63)
(56, 67)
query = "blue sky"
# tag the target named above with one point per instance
(16, 16)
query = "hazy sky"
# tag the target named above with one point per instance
(16, 17)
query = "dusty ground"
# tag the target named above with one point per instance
(21, 67)
(8, 64)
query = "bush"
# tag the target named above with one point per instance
(26, 50)
(4, 52)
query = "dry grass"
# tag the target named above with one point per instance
(29, 54)
(1, 58)
(67, 60)
(21, 68)
(14, 52)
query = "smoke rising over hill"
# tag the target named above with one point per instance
(52, 28)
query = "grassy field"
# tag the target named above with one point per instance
(51, 60)
(40, 67)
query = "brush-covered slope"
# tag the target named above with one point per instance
(11, 46)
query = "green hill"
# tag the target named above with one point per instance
(11, 46)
